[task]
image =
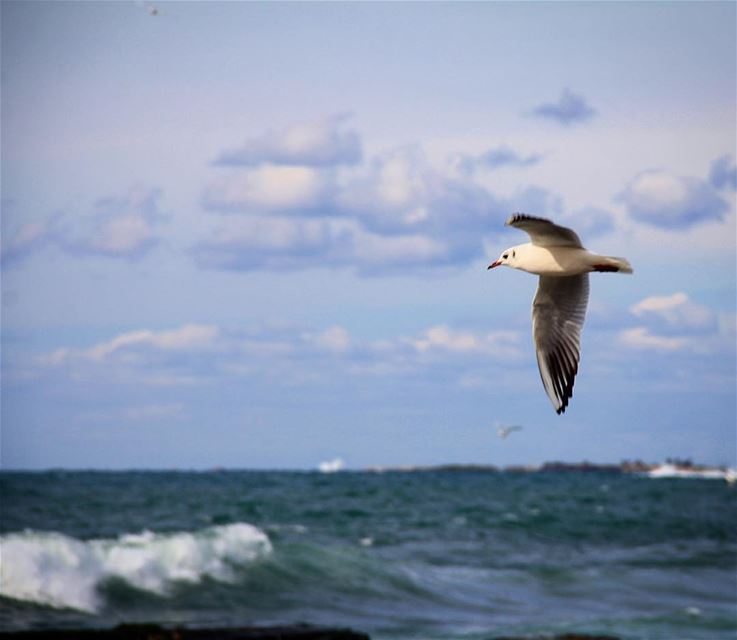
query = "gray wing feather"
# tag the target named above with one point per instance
(558, 313)
(543, 232)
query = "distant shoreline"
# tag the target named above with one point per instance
(675, 468)
(669, 469)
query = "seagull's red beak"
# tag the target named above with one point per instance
(496, 263)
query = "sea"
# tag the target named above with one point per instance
(426, 554)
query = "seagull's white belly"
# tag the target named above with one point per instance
(555, 261)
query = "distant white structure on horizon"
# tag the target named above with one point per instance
(672, 471)
(331, 466)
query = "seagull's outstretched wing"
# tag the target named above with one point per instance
(558, 312)
(543, 232)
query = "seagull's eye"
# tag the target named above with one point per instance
(505, 256)
(514, 253)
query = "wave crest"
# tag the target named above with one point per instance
(60, 571)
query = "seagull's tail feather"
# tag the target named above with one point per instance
(610, 263)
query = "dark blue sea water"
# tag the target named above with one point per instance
(398, 555)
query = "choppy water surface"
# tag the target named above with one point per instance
(398, 555)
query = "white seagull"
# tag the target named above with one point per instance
(559, 308)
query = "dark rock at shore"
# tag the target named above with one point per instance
(565, 636)
(290, 632)
(155, 632)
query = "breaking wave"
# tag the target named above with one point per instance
(60, 571)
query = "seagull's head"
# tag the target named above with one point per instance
(508, 258)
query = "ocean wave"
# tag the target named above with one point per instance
(60, 571)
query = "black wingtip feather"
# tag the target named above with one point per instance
(562, 384)
(519, 216)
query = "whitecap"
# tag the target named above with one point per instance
(60, 571)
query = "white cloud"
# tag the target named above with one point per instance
(675, 324)
(676, 310)
(444, 338)
(119, 227)
(27, 238)
(641, 338)
(191, 336)
(375, 252)
(320, 143)
(185, 338)
(664, 200)
(395, 212)
(196, 354)
(401, 192)
(659, 303)
(124, 235)
(275, 243)
(269, 188)
(124, 227)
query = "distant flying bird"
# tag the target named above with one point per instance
(151, 9)
(559, 308)
(505, 431)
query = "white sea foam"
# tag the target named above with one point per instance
(60, 571)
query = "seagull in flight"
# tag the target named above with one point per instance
(559, 308)
(505, 431)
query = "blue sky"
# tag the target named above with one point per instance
(256, 234)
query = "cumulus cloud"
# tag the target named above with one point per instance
(723, 173)
(270, 188)
(397, 211)
(569, 109)
(321, 143)
(675, 324)
(119, 227)
(287, 243)
(400, 192)
(274, 243)
(664, 200)
(20, 242)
